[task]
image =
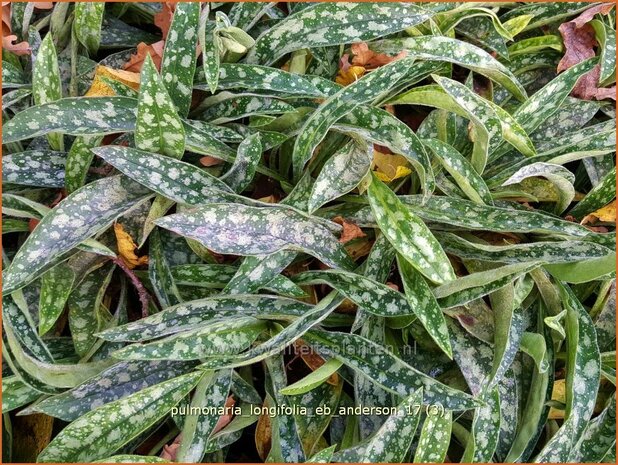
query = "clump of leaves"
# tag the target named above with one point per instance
(401, 211)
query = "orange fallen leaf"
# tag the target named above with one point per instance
(350, 230)
(363, 56)
(348, 75)
(210, 161)
(21, 48)
(607, 214)
(137, 59)
(126, 248)
(163, 19)
(100, 89)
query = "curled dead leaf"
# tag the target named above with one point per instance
(579, 42)
(390, 166)
(126, 248)
(137, 59)
(100, 89)
(210, 161)
(163, 19)
(350, 230)
(607, 214)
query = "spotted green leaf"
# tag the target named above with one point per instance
(119, 381)
(179, 57)
(341, 173)
(457, 52)
(211, 391)
(188, 315)
(424, 304)
(16, 394)
(386, 369)
(582, 380)
(158, 128)
(56, 285)
(78, 161)
(243, 230)
(87, 24)
(461, 170)
(324, 24)
(364, 90)
(261, 78)
(546, 251)
(408, 234)
(40, 168)
(247, 159)
(435, 438)
(476, 285)
(46, 86)
(484, 433)
(67, 225)
(107, 433)
(392, 441)
(241, 106)
(368, 294)
(599, 196)
(74, 116)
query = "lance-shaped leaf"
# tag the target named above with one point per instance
(69, 224)
(78, 161)
(385, 369)
(341, 173)
(211, 391)
(243, 230)
(476, 285)
(129, 458)
(117, 382)
(455, 51)
(466, 214)
(56, 285)
(382, 128)
(39, 168)
(245, 15)
(241, 106)
(599, 196)
(74, 116)
(86, 316)
(424, 305)
(109, 427)
(260, 78)
(87, 24)
(598, 438)
(366, 89)
(218, 337)
(435, 438)
(158, 128)
(46, 85)
(160, 274)
(247, 159)
(174, 179)
(313, 379)
(370, 295)
(582, 380)
(191, 314)
(485, 428)
(255, 272)
(561, 177)
(606, 36)
(325, 24)
(466, 177)
(546, 252)
(16, 394)
(15, 315)
(408, 234)
(179, 57)
(391, 442)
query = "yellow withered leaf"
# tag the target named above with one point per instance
(350, 75)
(100, 89)
(126, 248)
(607, 214)
(390, 167)
(558, 394)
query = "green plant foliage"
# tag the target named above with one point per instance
(308, 232)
